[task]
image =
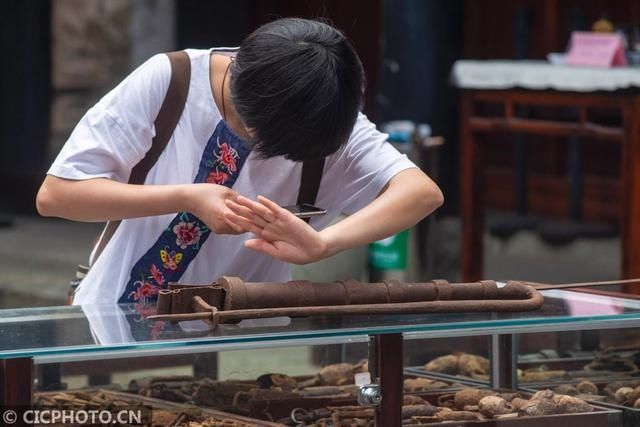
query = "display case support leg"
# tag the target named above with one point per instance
(49, 377)
(390, 370)
(206, 365)
(504, 361)
(99, 379)
(16, 378)
(471, 201)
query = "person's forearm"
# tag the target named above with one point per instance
(409, 197)
(104, 200)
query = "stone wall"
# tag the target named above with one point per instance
(90, 53)
(95, 44)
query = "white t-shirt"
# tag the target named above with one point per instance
(116, 133)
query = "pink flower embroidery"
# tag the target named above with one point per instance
(145, 310)
(157, 275)
(156, 330)
(187, 233)
(217, 177)
(228, 157)
(143, 291)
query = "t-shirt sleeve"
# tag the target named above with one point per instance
(115, 134)
(364, 167)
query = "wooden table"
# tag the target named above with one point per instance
(472, 125)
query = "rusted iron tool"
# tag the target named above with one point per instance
(229, 299)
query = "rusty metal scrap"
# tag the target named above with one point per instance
(230, 299)
(273, 396)
(163, 413)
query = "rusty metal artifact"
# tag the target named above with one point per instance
(229, 299)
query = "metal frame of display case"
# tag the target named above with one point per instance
(17, 364)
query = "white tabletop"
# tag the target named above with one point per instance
(541, 75)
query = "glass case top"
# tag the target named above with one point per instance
(124, 329)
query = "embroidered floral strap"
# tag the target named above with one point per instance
(168, 258)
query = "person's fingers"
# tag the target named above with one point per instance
(274, 234)
(236, 228)
(278, 211)
(228, 220)
(239, 210)
(263, 246)
(243, 222)
(257, 208)
(246, 213)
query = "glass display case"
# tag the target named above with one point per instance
(70, 334)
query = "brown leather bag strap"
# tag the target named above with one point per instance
(168, 116)
(165, 124)
(310, 181)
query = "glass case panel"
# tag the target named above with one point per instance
(123, 328)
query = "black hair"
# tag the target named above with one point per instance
(297, 85)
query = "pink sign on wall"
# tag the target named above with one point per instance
(596, 50)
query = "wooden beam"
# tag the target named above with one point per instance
(547, 127)
(16, 382)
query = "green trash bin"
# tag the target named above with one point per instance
(398, 257)
(388, 258)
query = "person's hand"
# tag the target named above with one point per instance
(279, 233)
(207, 202)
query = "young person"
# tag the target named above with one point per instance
(291, 92)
